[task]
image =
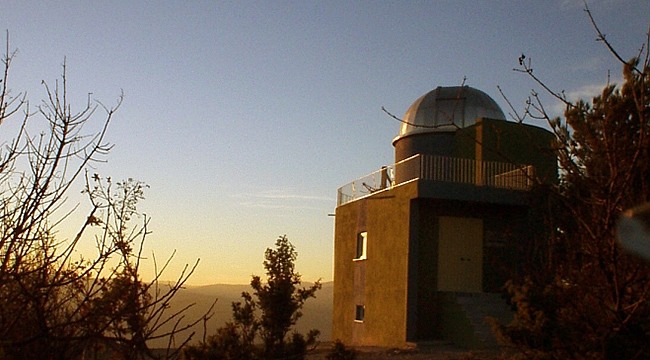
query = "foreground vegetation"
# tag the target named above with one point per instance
(54, 303)
(262, 321)
(582, 296)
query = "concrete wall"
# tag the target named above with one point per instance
(506, 234)
(504, 229)
(345, 232)
(381, 280)
(423, 276)
(397, 283)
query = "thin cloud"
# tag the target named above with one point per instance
(580, 4)
(281, 200)
(596, 63)
(585, 92)
(266, 205)
(283, 196)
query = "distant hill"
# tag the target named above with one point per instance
(317, 313)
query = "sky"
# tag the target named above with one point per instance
(245, 117)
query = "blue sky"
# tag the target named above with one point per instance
(245, 117)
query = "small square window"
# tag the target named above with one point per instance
(360, 313)
(362, 244)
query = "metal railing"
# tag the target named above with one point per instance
(440, 168)
(366, 185)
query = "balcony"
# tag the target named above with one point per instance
(440, 168)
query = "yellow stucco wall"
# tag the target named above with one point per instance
(344, 251)
(385, 216)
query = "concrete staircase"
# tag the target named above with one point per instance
(465, 317)
(479, 306)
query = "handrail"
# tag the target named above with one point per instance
(440, 168)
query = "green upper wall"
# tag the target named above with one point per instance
(504, 141)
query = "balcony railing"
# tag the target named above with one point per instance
(440, 168)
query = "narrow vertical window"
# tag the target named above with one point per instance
(362, 244)
(360, 313)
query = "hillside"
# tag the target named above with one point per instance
(317, 313)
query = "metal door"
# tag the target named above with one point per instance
(460, 254)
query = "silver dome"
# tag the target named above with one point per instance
(447, 109)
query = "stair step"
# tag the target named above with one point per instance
(479, 306)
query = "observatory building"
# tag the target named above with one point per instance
(423, 246)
